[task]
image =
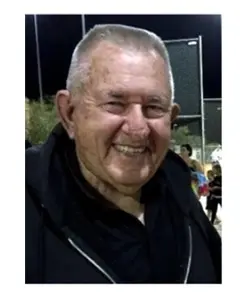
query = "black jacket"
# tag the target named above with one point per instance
(27, 144)
(55, 254)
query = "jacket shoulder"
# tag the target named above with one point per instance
(32, 164)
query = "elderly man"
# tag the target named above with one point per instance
(106, 201)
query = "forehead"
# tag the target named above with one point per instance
(130, 69)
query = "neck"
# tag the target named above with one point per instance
(128, 202)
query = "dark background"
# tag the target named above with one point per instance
(185, 62)
(58, 35)
(213, 110)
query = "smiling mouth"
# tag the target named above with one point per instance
(130, 150)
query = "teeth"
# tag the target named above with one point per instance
(129, 150)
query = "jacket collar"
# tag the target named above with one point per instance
(173, 175)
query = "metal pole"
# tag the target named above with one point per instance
(83, 25)
(181, 40)
(212, 99)
(189, 117)
(203, 139)
(38, 61)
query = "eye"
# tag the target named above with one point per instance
(155, 107)
(115, 103)
(154, 111)
(115, 107)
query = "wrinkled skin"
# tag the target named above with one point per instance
(127, 101)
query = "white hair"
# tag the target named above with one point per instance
(124, 36)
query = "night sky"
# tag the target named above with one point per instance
(58, 35)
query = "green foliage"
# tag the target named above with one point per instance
(40, 118)
(181, 135)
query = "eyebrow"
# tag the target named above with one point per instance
(151, 97)
(115, 92)
(157, 98)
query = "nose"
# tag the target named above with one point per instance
(136, 124)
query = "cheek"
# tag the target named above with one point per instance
(96, 129)
(161, 132)
(81, 126)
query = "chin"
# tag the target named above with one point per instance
(128, 187)
(133, 178)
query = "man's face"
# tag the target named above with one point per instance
(122, 122)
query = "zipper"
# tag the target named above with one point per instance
(190, 238)
(45, 217)
(109, 277)
(98, 267)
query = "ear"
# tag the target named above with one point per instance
(175, 110)
(65, 110)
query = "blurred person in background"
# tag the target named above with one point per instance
(209, 203)
(199, 182)
(186, 154)
(216, 191)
